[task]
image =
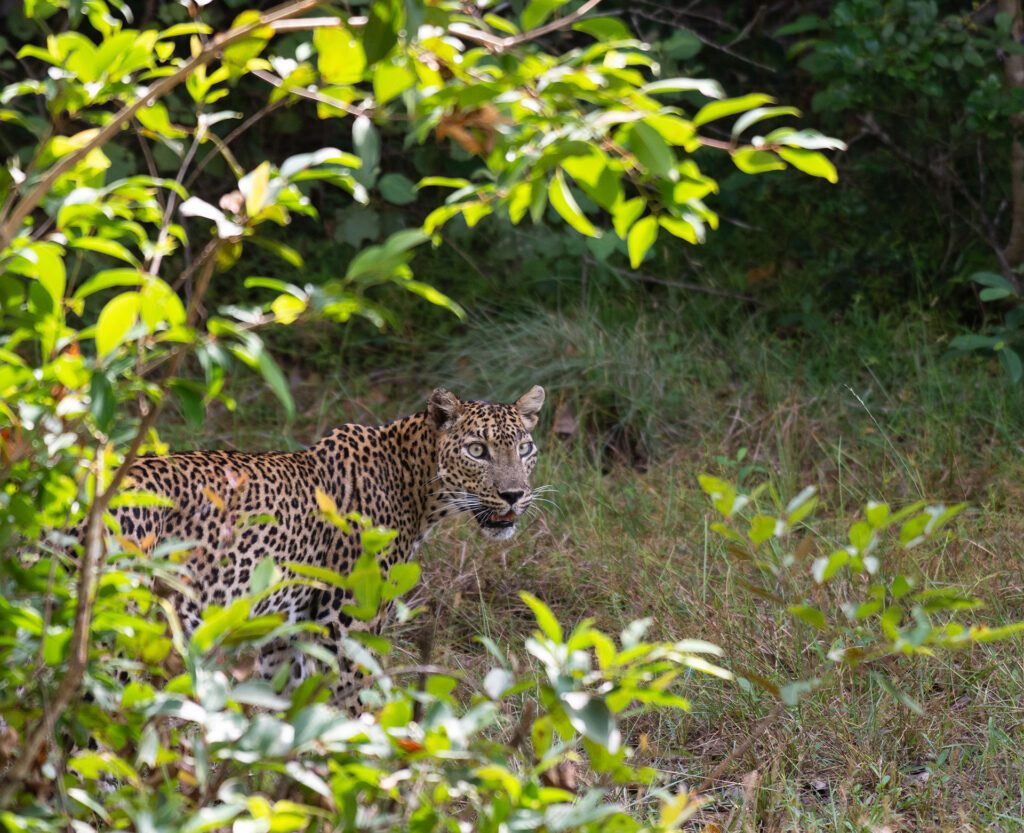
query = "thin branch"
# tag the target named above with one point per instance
(493, 42)
(222, 144)
(158, 255)
(691, 287)
(330, 101)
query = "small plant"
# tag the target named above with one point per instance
(1006, 339)
(861, 608)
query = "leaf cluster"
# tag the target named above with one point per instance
(860, 607)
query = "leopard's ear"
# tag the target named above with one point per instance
(529, 405)
(442, 409)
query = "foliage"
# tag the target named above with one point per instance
(860, 609)
(104, 280)
(924, 83)
(175, 736)
(1005, 339)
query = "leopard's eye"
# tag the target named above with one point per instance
(478, 450)
(525, 448)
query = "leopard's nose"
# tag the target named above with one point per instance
(512, 497)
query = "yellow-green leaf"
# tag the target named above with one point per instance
(115, 320)
(625, 214)
(392, 77)
(257, 191)
(342, 59)
(680, 228)
(565, 204)
(641, 238)
(810, 162)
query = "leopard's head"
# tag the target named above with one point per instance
(485, 456)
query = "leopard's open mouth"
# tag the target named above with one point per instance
(496, 520)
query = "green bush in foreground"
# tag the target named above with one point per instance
(189, 743)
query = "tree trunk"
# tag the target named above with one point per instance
(1014, 251)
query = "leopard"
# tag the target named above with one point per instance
(454, 458)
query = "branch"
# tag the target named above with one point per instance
(93, 557)
(496, 44)
(330, 101)
(692, 287)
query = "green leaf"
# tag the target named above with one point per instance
(435, 296)
(262, 575)
(811, 615)
(319, 573)
(591, 717)
(993, 294)
(1011, 363)
(801, 506)
(397, 189)
(993, 280)
(341, 57)
(877, 514)
(640, 239)
(109, 278)
(103, 245)
(294, 165)
(810, 162)
(760, 114)
(651, 150)
(381, 31)
(102, 400)
(974, 341)
(808, 139)
(624, 214)
(604, 28)
(565, 204)
(705, 86)
(729, 106)
(366, 141)
(762, 527)
(537, 11)
(115, 320)
(391, 78)
(824, 568)
(545, 618)
(254, 354)
(752, 161)
(401, 579)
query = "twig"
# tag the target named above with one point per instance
(222, 144)
(464, 30)
(158, 255)
(330, 101)
(692, 287)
